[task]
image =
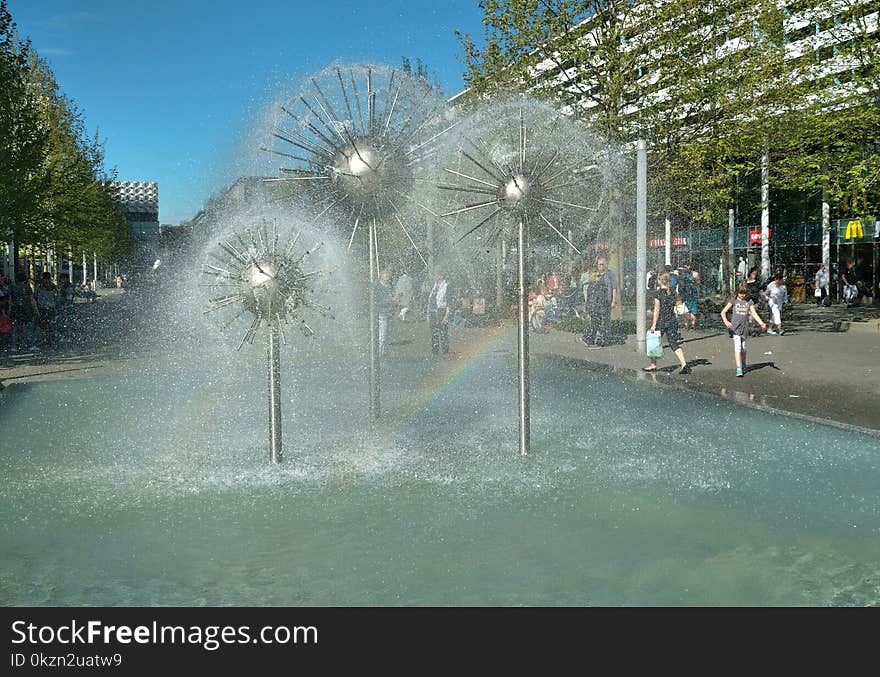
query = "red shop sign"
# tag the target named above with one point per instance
(676, 242)
(755, 235)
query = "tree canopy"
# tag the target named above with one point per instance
(53, 185)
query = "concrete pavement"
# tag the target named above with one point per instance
(825, 367)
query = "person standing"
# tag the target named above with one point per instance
(741, 270)
(599, 311)
(23, 311)
(384, 307)
(689, 295)
(664, 318)
(47, 303)
(438, 314)
(609, 279)
(738, 325)
(777, 296)
(821, 285)
(403, 290)
(850, 284)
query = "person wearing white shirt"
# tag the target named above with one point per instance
(777, 296)
(821, 285)
(438, 314)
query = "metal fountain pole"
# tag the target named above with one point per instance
(523, 339)
(274, 362)
(273, 288)
(641, 236)
(374, 326)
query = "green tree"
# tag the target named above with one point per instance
(23, 139)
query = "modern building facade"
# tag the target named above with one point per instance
(831, 45)
(140, 203)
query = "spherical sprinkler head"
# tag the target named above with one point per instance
(272, 287)
(522, 194)
(370, 175)
(520, 161)
(356, 138)
(264, 280)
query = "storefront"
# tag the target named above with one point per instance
(797, 246)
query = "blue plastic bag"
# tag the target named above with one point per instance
(653, 344)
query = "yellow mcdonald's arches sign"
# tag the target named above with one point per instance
(854, 230)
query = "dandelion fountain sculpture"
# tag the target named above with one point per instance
(271, 285)
(358, 139)
(528, 164)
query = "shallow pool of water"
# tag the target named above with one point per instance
(153, 488)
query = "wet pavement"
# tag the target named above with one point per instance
(825, 367)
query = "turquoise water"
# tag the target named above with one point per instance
(153, 488)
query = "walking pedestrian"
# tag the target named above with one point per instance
(777, 296)
(664, 318)
(738, 325)
(821, 285)
(849, 278)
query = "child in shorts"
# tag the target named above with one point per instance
(738, 325)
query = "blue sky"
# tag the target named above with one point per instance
(177, 87)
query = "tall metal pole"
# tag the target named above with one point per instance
(765, 211)
(667, 233)
(523, 339)
(826, 231)
(374, 327)
(641, 241)
(274, 360)
(731, 257)
(85, 268)
(499, 274)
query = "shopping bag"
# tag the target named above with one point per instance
(818, 292)
(653, 345)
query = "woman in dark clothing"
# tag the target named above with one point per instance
(665, 319)
(753, 287)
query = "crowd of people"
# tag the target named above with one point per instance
(34, 314)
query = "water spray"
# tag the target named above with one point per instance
(356, 136)
(269, 283)
(533, 164)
